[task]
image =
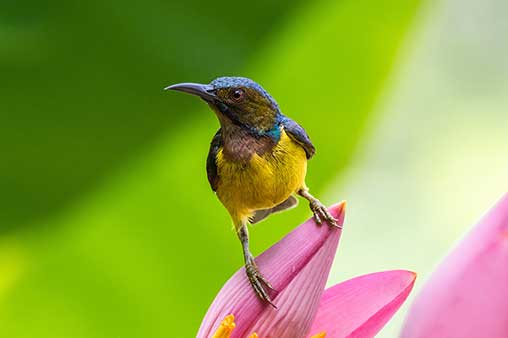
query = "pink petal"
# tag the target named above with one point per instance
(467, 296)
(297, 266)
(361, 306)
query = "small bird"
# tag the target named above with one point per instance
(257, 160)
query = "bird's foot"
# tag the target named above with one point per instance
(257, 281)
(321, 214)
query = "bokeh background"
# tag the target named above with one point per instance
(107, 225)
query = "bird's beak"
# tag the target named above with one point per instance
(203, 91)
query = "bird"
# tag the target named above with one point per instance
(257, 161)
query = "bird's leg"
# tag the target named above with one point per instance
(318, 209)
(255, 278)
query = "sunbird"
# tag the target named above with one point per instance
(257, 160)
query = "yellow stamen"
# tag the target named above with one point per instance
(228, 325)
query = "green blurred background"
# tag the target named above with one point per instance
(107, 225)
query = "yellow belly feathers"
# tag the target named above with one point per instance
(265, 181)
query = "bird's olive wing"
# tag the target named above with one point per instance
(298, 134)
(211, 161)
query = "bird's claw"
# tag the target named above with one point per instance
(258, 282)
(321, 213)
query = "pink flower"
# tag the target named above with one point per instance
(298, 267)
(467, 296)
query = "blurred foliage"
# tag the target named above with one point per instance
(145, 254)
(82, 86)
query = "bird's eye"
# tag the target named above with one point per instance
(238, 94)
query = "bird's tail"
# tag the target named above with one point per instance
(260, 215)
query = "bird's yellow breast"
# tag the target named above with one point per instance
(263, 181)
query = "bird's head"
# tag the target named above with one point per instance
(239, 101)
